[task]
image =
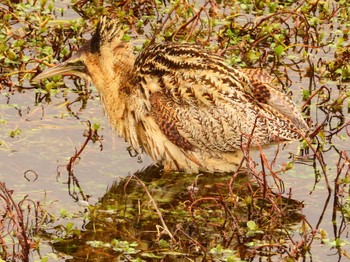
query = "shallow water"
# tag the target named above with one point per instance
(33, 163)
(49, 138)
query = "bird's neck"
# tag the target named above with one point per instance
(112, 71)
(114, 81)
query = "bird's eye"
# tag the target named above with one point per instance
(79, 63)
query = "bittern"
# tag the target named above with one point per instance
(181, 104)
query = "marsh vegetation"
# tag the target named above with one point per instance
(70, 190)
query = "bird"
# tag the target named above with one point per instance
(181, 104)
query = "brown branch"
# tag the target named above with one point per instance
(164, 226)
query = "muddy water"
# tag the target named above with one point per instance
(48, 138)
(33, 162)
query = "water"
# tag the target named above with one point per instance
(46, 135)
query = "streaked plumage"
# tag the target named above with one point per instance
(181, 104)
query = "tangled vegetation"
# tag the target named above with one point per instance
(148, 216)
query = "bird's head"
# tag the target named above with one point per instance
(98, 56)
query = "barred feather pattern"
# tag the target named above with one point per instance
(201, 103)
(186, 107)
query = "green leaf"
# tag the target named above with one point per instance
(279, 50)
(15, 132)
(69, 226)
(96, 126)
(252, 225)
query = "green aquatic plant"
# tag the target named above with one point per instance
(301, 44)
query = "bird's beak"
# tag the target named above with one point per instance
(73, 66)
(69, 67)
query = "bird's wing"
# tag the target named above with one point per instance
(266, 93)
(257, 74)
(198, 100)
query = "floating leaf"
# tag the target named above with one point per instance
(279, 50)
